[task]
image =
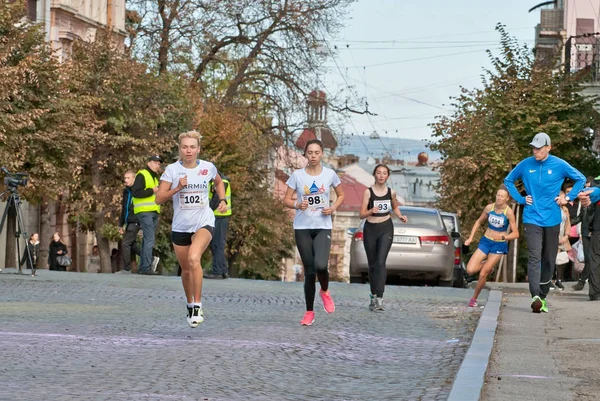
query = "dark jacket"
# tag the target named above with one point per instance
(127, 215)
(138, 189)
(590, 216)
(53, 253)
(34, 251)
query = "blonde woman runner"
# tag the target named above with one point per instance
(186, 182)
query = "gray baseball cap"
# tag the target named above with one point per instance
(540, 140)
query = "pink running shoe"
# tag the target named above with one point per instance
(473, 303)
(308, 319)
(328, 304)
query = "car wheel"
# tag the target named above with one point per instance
(459, 279)
(445, 283)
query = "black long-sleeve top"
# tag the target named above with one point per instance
(127, 214)
(138, 189)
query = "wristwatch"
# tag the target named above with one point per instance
(223, 200)
(567, 198)
(503, 238)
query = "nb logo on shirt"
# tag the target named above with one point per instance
(203, 172)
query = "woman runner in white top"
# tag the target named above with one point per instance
(312, 223)
(187, 182)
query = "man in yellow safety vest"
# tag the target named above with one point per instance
(147, 210)
(217, 245)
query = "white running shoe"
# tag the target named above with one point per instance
(195, 316)
(190, 313)
(154, 264)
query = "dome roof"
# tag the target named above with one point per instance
(318, 94)
(329, 141)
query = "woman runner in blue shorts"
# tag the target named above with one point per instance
(494, 243)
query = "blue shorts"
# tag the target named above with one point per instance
(488, 246)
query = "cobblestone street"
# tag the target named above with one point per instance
(69, 336)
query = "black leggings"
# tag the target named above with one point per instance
(313, 246)
(378, 238)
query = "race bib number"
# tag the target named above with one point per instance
(496, 221)
(382, 206)
(315, 201)
(192, 200)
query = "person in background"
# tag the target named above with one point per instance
(129, 225)
(543, 176)
(57, 248)
(585, 241)
(147, 211)
(93, 262)
(33, 245)
(219, 239)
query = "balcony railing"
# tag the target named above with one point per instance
(582, 56)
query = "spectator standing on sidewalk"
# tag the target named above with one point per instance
(219, 239)
(585, 241)
(57, 248)
(543, 176)
(564, 246)
(34, 251)
(147, 210)
(129, 225)
(93, 262)
(590, 200)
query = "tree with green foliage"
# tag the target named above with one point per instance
(39, 118)
(259, 236)
(492, 126)
(133, 113)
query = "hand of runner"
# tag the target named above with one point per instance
(468, 241)
(302, 205)
(529, 200)
(403, 219)
(327, 211)
(222, 208)
(182, 182)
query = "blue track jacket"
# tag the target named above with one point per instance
(543, 181)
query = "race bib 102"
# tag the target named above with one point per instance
(192, 200)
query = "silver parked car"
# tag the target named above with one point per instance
(422, 249)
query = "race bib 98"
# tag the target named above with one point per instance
(315, 201)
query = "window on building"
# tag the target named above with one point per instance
(32, 10)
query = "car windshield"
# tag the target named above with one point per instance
(423, 218)
(449, 222)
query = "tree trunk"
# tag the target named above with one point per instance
(47, 211)
(103, 246)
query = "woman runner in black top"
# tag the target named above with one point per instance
(378, 203)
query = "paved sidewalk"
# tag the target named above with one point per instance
(554, 356)
(74, 336)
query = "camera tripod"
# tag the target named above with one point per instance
(14, 201)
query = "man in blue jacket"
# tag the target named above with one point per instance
(542, 176)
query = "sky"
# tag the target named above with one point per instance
(407, 58)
